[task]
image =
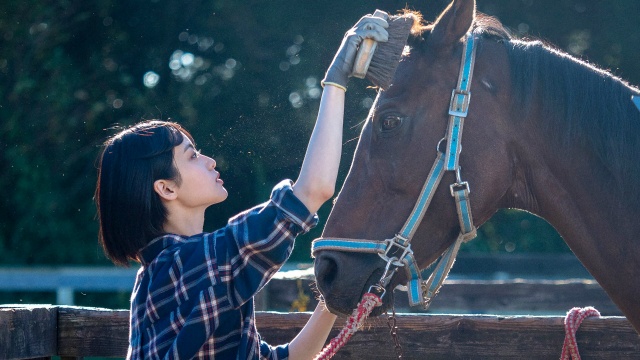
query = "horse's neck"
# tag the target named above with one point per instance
(575, 192)
(572, 192)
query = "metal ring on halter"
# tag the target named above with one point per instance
(390, 252)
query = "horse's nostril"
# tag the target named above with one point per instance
(326, 271)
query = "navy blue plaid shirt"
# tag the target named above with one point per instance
(193, 296)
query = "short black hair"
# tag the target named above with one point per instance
(130, 212)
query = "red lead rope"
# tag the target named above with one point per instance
(354, 322)
(571, 324)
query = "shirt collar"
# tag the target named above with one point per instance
(155, 247)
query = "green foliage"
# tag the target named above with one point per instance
(244, 82)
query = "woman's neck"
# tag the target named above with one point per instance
(186, 223)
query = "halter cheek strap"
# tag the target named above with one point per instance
(397, 251)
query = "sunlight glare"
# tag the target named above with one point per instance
(150, 79)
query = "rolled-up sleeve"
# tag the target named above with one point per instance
(274, 352)
(260, 240)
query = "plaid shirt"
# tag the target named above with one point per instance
(193, 296)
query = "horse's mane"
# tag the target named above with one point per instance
(579, 102)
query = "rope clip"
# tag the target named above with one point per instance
(378, 290)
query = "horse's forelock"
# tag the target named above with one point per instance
(419, 25)
(483, 25)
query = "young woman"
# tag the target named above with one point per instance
(193, 295)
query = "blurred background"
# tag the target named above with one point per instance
(242, 76)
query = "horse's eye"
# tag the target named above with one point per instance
(390, 122)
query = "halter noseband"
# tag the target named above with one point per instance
(397, 251)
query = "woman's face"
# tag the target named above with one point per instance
(201, 185)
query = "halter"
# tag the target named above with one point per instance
(397, 251)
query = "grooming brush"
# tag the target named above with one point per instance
(378, 61)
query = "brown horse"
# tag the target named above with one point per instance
(545, 133)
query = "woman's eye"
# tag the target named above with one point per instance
(390, 123)
(196, 153)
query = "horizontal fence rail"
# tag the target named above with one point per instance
(64, 281)
(74, 332)
(479, 271)
(294, 290)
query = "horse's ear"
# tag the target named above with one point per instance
(454, 22)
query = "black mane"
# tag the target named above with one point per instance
(579, 102)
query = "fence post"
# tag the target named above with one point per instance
(64, 295)
(28, 331)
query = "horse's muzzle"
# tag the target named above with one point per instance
(343, 278)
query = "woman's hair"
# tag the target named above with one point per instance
(130, 212)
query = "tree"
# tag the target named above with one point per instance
(243, 77)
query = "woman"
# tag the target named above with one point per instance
(193, 295)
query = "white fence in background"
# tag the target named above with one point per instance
(64, 281)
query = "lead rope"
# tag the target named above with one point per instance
(354, 322)
(572, 322)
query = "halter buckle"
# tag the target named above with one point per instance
(459, 105)
(395, 246)
(459, 186)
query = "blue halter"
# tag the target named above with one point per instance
(397, 251)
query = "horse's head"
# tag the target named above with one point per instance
(397, 148)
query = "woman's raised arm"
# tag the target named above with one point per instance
(317, 180)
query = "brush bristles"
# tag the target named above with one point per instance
(387, 55)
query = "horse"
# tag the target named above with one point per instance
(544, 132)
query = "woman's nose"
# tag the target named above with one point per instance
(212, 163)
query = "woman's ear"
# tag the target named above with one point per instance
(166, 189)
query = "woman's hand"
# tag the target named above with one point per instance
(309, 342)
(369, 27)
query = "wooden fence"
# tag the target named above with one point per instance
(73, 332)
(40, 331)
